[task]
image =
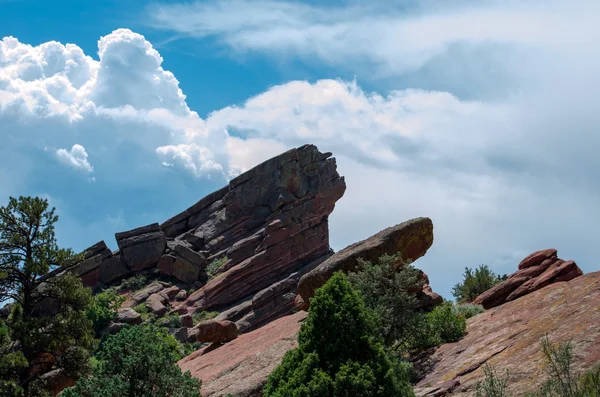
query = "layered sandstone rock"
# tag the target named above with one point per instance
(536, 271)
(241, 367)
(411, 238)
(508, 337)
(142, 248)
(268, 227)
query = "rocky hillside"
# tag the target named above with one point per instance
(254, 252)
(242, 250)
(508, 337)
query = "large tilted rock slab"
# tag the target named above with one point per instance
(241, 367)
(536, 271)
(269, 222)
(142, 248)
(508, 337)
(100, 266)
(411, 238)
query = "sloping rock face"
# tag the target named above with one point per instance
(100, 266)
(241, 367)
(270, 223)
(536, 271)
(411, 238)
(508, 337)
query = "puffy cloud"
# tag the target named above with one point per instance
(76, 158)
(191, 158)
(500, 178)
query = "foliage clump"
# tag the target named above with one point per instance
(103, 310)
(203, 316)
(388, 288)
(213, 267)
(47, 328)
(475, 283)
(563, 380)
(468, 310)
(139, 361)
(339, 352)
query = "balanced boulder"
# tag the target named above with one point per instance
(411, 239)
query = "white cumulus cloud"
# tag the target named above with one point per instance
(76, 158)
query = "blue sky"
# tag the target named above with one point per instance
(479, 114)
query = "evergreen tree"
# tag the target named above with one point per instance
(47, 328)
(139, 361)
(475, 283)
(339, 352)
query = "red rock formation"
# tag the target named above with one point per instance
(214, 331)
(508, 337)
(241, 367)
(411, 238)
(536, 271)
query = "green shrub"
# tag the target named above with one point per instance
(138, 361)
(450, 325)
(475, 283)
(134, 283)
(492, 385)
(386, 289)
(141, 308)
(339, 353)
(468, 310)
(203, 316)
(213, 267)
(169, 321)
(442, 325)
(103, 309)
(562, 379)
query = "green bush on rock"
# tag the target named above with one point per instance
(475, 283)
(339, 352)
(139, 361)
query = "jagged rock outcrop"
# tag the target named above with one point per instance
(411, 238)
(267, 230)
(241, 367)
(100, 266)
(508, 337)
(536, 271)
(270, 223)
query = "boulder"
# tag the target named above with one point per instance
(187, 321)
(128, 316)
(156, 304)
(181, 295)
(508, 337)
(114, 328)
(170, 292)
(57, 380)
(143, 247)
(181, 334)
(536, 271)
(411, 238)
(188, 264)
(145, 292)
(214, 331)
